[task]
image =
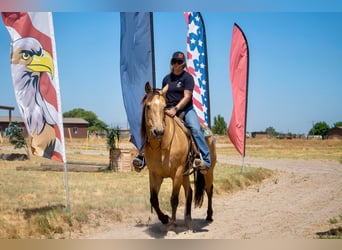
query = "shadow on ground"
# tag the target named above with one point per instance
(159, 231)
(29, 212)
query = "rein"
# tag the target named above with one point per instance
(171, 139)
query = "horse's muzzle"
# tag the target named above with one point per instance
(157, 133)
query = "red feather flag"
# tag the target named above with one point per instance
(239, 66)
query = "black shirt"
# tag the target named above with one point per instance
(177, 85)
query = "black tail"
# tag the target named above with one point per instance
(199, 188)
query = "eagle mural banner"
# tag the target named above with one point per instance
(35, 80)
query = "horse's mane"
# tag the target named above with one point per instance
(148, 97)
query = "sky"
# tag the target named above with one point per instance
(295, 76)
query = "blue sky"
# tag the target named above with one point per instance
(295, 64)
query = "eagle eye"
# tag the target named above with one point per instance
(25, 55)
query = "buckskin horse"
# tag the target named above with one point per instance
(166, 149)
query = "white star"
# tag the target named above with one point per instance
(205, 109)
(198, 74)
(193, 28)
(195, 54)
(202, 91)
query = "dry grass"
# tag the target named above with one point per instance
(324, 150)
(32, 202)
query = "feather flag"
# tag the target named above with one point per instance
(197, 64)
(35, 80)
(136, 66)
(239, 67)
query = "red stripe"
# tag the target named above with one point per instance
(22, 23)
(189, 55)
(57, 132)
(186, 15)
(197, 89)
(191, 71)
(56, 156)
(197, 103)
(48, 90)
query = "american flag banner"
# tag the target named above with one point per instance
(197, 65)
(35, 80)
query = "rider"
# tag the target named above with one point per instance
(179, 98)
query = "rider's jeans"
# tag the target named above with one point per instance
(193, 123)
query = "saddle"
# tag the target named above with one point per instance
(193, 151)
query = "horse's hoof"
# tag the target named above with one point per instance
(165, 219)
(209, 220)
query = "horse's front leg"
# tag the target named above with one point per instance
(176, 185)
(155, 183)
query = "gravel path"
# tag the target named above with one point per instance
(295, 204)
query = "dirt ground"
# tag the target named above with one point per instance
(296, 204)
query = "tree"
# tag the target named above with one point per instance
(95, 124)
(337, 124)
(270, 131)
(220, 126)
(113, 138)
(319, 128)
(16, 137)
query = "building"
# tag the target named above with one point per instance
(335, 133)
(259, 134)
(73, 127)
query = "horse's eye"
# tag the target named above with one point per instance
(148, 107)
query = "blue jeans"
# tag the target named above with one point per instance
(192, 122)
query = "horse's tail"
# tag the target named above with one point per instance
(199, 182)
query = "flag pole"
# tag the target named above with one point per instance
(152, 48)
(60, 117)
(66, 187)
(206, 68)
(247, 80)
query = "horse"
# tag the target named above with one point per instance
(166, 150)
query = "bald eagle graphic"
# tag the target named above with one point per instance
(29, 61)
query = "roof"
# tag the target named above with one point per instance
(65, 120)
(74, 120)
(6, 107)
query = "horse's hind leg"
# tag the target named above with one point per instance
(209, 191)
(155, 183)
(188, 196)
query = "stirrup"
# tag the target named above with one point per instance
(199, 165)
(138, 162)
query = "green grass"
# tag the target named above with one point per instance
(335, 232)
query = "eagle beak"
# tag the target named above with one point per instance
(43, 63)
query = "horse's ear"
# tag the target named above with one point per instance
(164, 90)
(147, 87)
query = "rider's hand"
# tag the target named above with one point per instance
(171, 112)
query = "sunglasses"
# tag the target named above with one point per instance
(177, 61)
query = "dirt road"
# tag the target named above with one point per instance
(294, 205)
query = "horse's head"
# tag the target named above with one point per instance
(154, 104)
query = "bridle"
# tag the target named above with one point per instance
(150, 134)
